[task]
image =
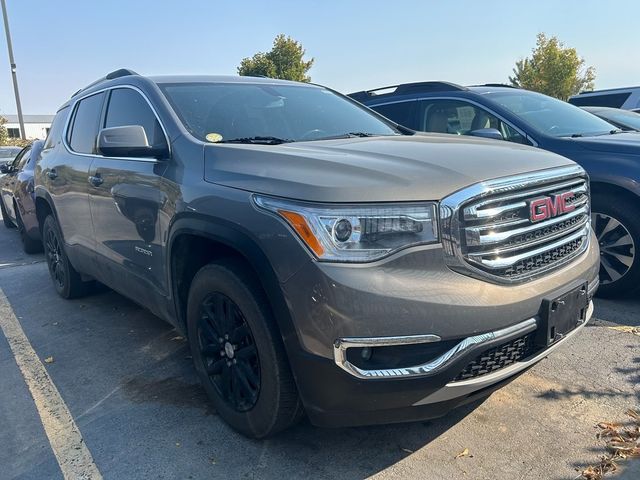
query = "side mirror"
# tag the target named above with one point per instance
(128, 141)
(4, 168)
(487, 133)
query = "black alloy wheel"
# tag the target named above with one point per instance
(229, 352)
(53, 251)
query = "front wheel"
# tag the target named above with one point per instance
(29, 245)
(238, 352)
(617, 228)
(66, 279)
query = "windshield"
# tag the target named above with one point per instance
(9, 152)
(551, 116)
(219, 112)
(623, 117)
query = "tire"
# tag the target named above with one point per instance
(225, 302)
(615, 220)
(5, 216)
(29, 245)
(66, 279)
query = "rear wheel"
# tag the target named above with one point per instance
(66, 279)
(29, 245)
(5, 216)
(617, 228)
(238, 352)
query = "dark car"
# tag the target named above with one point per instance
(610, 157)
(7, 154)
(317, 256)
(625, 120)
(17, 199)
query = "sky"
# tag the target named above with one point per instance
(63, 45)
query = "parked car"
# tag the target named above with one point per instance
(519, 116)
(317, 256)
(625, 120)
(7, 154)
(17, 200)
(627, 98)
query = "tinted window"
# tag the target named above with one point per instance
(128, 107)
(400, 112)
(615, 100)
(462, 118)
(291, 112)
(25, 158)
(55, 132)
(20, 159)
(85, 124)
(550, 116)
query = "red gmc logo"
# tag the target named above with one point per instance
(549, 207)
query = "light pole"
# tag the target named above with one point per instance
(13, 69)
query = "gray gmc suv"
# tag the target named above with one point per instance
(318, 257)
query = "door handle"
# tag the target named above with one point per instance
(96, 180)
(52, 174)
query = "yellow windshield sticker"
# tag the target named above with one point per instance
(213, 137)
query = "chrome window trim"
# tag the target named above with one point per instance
(93, 155)
(431, 367)
(473, 102)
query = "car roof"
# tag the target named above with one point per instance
(161, 79)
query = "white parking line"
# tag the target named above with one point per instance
(66, 441)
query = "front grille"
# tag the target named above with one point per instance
(492, 232)
(499, 357)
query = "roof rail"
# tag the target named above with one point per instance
(502, 85)
(122, 72)
(407, 88)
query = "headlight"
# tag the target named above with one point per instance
(357, 233)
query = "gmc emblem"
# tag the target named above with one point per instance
(549, 207)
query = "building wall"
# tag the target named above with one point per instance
(33, 131)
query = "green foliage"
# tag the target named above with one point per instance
(4, 135)
(553, 69)
(285, 60)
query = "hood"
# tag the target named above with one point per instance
(628, 142)
(403, 168)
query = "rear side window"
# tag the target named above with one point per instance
(84, 129)
(615, 100)
(128, 107)
(55, 132)
(403, 113)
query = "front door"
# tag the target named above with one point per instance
(128, 200)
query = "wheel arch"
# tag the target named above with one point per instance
(213, 239)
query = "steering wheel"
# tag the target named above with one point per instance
(315, 132)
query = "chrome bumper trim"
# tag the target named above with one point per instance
(466, 387)
(430, 368)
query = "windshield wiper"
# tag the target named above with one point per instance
(258, 140)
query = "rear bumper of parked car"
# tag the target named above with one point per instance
(484, 330)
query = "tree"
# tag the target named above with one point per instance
(553, 69)
(4, 135)
(284, 60)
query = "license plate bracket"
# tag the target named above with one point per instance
(561, 315)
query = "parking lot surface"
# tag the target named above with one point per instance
(127, 380)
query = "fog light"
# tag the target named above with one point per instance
(366, 353)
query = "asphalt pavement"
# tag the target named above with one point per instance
(127, 380)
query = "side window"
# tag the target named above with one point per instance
(26, 155)
(400, 112)
(128, 107)
(462, 118)
(20, 159)
(55, 132)
(614, 100)
(84, 130)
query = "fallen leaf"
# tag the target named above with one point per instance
(463, 453)
(407, 450)
(48, 360)
(627, 329)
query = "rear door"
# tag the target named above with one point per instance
(127, 201)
